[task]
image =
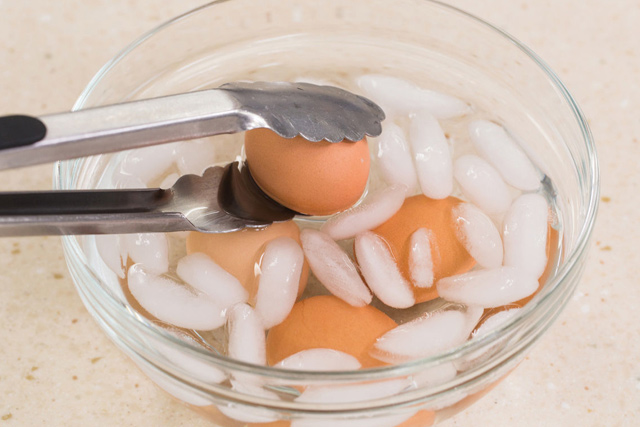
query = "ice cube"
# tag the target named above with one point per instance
(484, 353)
(280, 270)
(333, 268)
(169, 180)
(381, 272)
(473, 314)
(431, 155)
(112, 252)
(395, 158)
(481, 184)
(356, 393)
(123, 181)
(148, 163)
(435, 376)
(172, 302)
(150, 249)
(488, 288)
(320, 359)
(427, 335)
(249, 413)
(353, 392)
(401, 97)
(496, 146)
(193, 157)
(190, 363)
(202, 273)
(313, 81)
(394, 420)
(420, 260)
(372, 212)
(478, 234)
(246, 335)
(495, 321)
(525, 230)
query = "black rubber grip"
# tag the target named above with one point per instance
(17, 131)
(81, 202)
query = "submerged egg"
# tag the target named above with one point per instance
(313, 178)
(240, 252)
(424, 418)
(448, 256)
(328, 322)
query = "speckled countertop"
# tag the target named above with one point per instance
(58, 368)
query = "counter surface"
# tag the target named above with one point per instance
(58, 368)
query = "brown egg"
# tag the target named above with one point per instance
(314, 178)
(423, 418)
(239, 252)
(328, 322)
(448, 255)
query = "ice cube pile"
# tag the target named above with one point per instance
(468, 226)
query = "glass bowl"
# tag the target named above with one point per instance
(430, 43)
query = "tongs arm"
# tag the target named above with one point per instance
(89, 212)
(26, 140)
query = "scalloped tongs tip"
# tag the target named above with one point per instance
(290, 109)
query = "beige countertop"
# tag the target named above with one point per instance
(58, 368)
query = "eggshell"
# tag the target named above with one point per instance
(447, 253)
(240, 252)
(328, 322)
(314, 178)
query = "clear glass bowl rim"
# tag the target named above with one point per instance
(555, 284)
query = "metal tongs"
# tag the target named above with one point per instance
(192, 204)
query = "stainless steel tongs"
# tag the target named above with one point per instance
(289, 109)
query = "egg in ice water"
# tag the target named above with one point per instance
(312, 178)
